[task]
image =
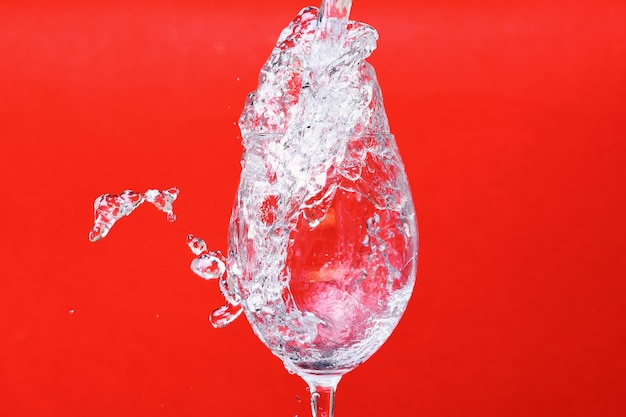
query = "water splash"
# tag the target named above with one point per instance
(323, 239)
(225, 315)
(109, 208)
(212, 265)
(197, 245)
(163, 200)
(209, 265)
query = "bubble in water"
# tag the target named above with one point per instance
(109, 208)
(225, 315)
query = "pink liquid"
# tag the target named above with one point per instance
(347, 269)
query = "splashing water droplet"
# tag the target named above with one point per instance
(209, 265)
(109, 208)
(197, 245)
(163, 200)
(225, 315)
(212, 265)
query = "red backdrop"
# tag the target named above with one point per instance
(511, 119)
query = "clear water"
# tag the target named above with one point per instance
(323, 236)
(212, 265)
(109, 208)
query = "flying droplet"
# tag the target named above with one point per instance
(163, 200)
(225, 315)
(197, 245)
(109, 208)
(209, 265)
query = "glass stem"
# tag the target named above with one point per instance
(323, 394)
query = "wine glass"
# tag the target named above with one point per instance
(323, 236)
(325, 293)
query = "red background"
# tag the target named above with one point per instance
(511, 119)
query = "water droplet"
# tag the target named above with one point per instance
(109, 208)
(197, 245)
(71, 311)
(209, 265)
(156, 315)
(228, 294)
(225, 315)
(298, 399)
(163, 200)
